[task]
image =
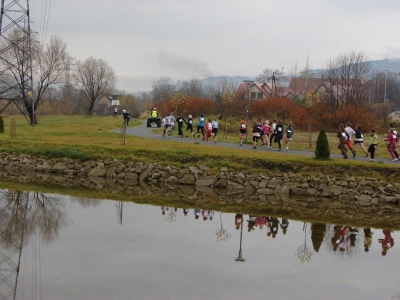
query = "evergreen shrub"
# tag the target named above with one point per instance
(322, 149)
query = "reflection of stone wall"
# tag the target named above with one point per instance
(316, 195)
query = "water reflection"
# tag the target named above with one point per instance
(26, 215)
(387, 242)
(221, 232)
(342, 239)
(137, 238)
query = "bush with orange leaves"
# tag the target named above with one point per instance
(317, 115)
(191, 106)
(366, 117)
(279, 108)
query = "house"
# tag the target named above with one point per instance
(104, 104)
(107, 99)
(262, 91)
(301, 86)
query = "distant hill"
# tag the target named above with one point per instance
(236, 79)
(393, 65)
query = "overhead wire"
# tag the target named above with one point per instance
(41, 20)
(48, 19)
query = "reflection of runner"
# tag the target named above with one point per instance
(336, 237)
(252, 222)
(345, 239)
(274, 227)
(284, 225)
(387, 242)
(196, 213)
(238, 220)
(367, 239)
(261, 222)
(353, 233)
(204, 214)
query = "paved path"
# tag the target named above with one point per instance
(146, 132)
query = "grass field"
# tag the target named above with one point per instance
(92, 137)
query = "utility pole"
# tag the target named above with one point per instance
(273, 81)
(13, 13)
(384, 98)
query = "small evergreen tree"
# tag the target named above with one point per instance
(322, 149)
(1, 125)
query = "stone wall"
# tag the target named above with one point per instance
(365, 191)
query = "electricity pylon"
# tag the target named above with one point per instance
(16, 79)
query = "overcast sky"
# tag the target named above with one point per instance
(144, 40)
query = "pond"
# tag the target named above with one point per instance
(63, 247)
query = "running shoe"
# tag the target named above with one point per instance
(354, 154)
(366, 154)
(396, 159)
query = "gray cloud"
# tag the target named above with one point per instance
(184, 66)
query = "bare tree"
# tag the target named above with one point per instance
(163, 89)
(192, 87)
(95, 77)
(131, 104)
(48, 66)
(346, 78)
(263, 77)
(224, 86)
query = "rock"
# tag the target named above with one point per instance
(59, 167)
(236, 186)
(266, 191)
(221, 184)
(110, 173)
(146, 173)
(131, 177)
(172, 180)
(97, 172)
(272, 184)
(187, 179)
(332, 191)
(28, 168)
(364, 200)
(204, 182)
(263, 184)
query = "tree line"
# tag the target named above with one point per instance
(66, 85)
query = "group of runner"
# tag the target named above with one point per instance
(346, 133)
(269, 131)
(204, 129)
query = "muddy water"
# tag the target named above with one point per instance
(70, 248)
